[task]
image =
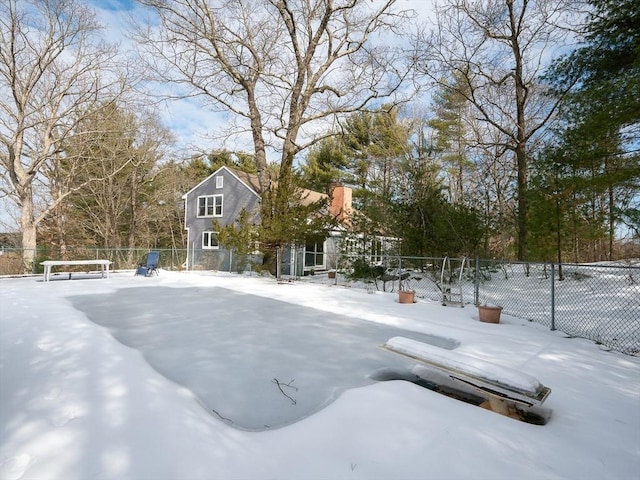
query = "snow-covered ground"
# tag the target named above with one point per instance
(173, 377)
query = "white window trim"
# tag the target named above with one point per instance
(219, 181)
(214, 206)
(315, 253)
(209, 247)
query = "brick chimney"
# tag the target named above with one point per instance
(340, 205)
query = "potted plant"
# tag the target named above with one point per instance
(405, 294)
(489, 313)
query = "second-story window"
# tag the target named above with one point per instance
(210, 206)
(219, 181)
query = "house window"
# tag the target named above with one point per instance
(219, 181)
(314, 255)
(210, 206)
(376, 251)
(210, 241)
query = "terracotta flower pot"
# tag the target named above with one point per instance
(406, 296)
(331, 274)
(489, 314)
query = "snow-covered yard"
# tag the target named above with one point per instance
(184, 376)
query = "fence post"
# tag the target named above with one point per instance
(553, 296)
(476, 283)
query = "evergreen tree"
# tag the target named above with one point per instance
(606, 70)
(451, 142)
(398, 186)
(602, 117)
(427, 223)
(239, 160)
(553, 200)
(326, 163)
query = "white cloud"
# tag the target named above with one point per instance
(194, 125)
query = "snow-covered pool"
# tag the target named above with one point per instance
(256, 362)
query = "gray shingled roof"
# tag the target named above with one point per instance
(251, 180)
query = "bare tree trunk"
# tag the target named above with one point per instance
(28, 227)
(612, 223)
(133, 216)
(51, 78)
(523, 203)
(521, 92)
(499, 48)
(257, 129)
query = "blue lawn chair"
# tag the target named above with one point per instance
(150, 265)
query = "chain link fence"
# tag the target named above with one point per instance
(121, 258)
(597, 302)
(130, 258)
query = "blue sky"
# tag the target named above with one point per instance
(113, 4)
(190, 122)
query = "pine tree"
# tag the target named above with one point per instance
(451, 142)
(602, 117)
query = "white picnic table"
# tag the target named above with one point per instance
(51, 263)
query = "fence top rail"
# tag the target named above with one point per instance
(504, 262)
(581, 265)
(631, 264)
(95, 249)
(598, 265)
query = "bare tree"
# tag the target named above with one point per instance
(51, 74)
(497, 50)
(278, 67)
(123, 148)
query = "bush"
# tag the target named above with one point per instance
(361, 269)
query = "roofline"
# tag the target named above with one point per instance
(184, 197)
(242, 181)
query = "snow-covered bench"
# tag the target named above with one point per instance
(504, 387)
(51, 263)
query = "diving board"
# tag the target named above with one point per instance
(503, 386)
